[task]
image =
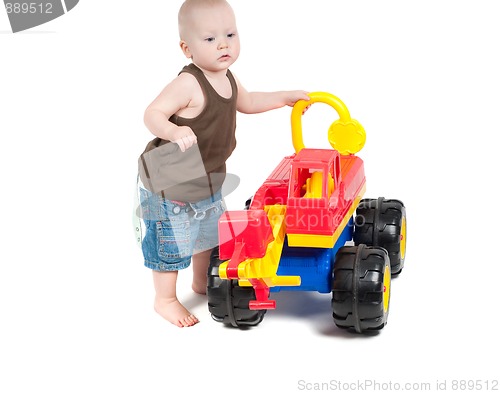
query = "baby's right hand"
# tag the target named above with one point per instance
(184, 137)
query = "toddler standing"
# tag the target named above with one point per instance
(194, 121)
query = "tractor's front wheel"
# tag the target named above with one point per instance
(228, 301)
(361, 288)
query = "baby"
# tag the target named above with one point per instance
(195, 116)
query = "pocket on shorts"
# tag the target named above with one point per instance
(151, 206)
(174, 240)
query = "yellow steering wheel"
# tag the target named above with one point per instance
(345, 135)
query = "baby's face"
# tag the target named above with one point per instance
(211, 38)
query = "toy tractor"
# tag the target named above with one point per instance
(291, 235)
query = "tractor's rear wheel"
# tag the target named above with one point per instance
(361, 286)
(228, 301)
(381, 222)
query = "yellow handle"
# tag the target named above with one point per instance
(345, 134)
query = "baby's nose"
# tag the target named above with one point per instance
(223, 44)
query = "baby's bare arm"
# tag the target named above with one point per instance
(174, 97)
(256, 102)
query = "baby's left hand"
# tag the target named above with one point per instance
(295, 95)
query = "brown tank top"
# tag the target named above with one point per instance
(198, 172)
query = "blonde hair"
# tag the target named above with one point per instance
(187, 8)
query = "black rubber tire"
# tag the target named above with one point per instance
(358, 288)
(227, 301)
(380, 222)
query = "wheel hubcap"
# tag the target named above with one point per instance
(402, 243)
(387, 288)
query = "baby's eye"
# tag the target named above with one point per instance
(210, 39)
(231, 35)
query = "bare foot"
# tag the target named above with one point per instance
(199, 289)
(173, 311)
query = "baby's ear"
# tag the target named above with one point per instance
(185, 49)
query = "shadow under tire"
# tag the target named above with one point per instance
(228, 301)
(382, 222)
(361, 288)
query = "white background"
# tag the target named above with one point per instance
(75, 301)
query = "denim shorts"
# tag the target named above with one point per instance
(176, 230)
